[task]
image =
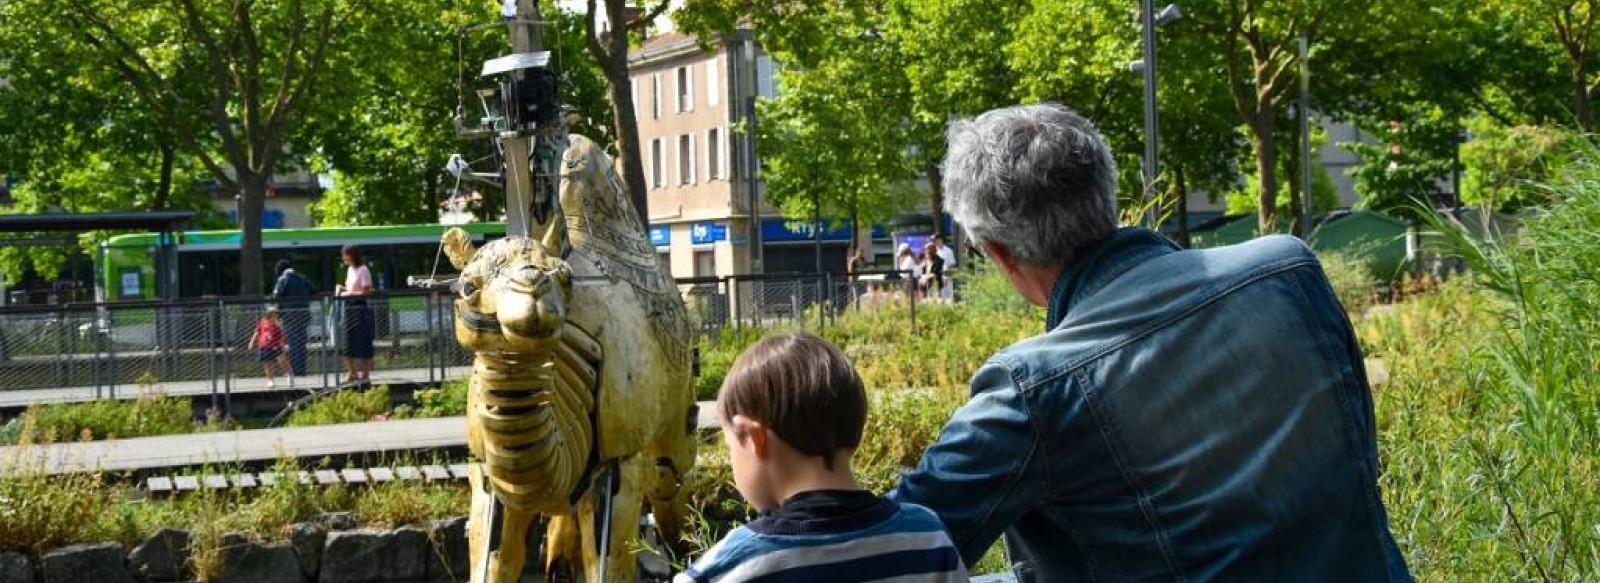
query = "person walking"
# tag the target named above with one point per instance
(358, 324)
(293, 294)
(1199, 416)
(268, 342)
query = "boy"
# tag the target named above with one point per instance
(792, 410)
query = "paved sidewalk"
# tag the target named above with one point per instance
(255, 445)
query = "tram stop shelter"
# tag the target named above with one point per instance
(61, 230)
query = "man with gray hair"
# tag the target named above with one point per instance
(1186, 416)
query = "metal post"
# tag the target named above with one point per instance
(752, 190)
(111, 351)
(227, 384)
(1307, 196)
(431, 344)
(211, 358)
(327, 337)
(1152, 167)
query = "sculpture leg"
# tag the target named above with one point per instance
(623, 509)
(563, 557)
(497, 535)
(669, 456)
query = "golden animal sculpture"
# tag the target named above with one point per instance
(581, 379)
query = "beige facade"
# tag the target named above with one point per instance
(687, 116)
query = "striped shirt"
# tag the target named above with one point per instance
(834, 537)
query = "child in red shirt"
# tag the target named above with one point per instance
(268, 343)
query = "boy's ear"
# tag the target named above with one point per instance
(752, 430)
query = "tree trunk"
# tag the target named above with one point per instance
(252, 201)
(164, 183)
(1266, 148)
(936, 196)
(1582, 106)
(626, 121)
(1291, 167)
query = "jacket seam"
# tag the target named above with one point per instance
(1108, 433)
(1214, 294)
(1011, 486)
(1371, 497)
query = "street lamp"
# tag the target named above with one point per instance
(1147, 65)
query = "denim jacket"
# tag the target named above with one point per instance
(1188, 416)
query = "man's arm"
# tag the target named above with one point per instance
(277, 287)
(985, 471)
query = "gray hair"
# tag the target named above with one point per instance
(1038, 180)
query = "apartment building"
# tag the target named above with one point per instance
(691, 103)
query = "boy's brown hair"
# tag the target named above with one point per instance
(802, 388)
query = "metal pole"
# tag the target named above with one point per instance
(1306, 195)
(816, 225)
(1152, 167)
(751, 187)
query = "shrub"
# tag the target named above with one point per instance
(150, 414)
(449, 400)
(1352, 281)
(344, 406)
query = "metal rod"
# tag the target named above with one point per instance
(1307, 196)
(1152, 168)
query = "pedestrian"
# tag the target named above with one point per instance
(905, 261)
(293, 293)
(947, 292)
(932, 271)
(1197, 416)
(358, 324)
(268, 342)
(792, 412)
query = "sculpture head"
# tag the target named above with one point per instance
(512, 293)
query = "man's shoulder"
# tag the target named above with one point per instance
(1143, 299)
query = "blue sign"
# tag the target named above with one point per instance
(783, 231)
(661, 235)
(707, 232)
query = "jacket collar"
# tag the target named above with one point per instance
(1100, 263)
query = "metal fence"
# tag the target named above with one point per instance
(768, 300)
(201, 348)
(204, 347)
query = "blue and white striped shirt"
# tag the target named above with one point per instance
(834, 537)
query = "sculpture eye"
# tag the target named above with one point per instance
(468, 289)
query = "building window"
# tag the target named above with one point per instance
(714, 154)
(686, 159)
(657, 165)
(713, 83)
(685, 90)
(655, 96)
(705, 263)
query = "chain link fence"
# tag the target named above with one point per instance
(77, 352)
(717, 303)
(203, 348)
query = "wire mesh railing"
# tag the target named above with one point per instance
(77, 352)
(200, 348)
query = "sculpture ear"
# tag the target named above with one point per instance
(457, 245)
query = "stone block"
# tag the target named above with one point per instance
(371, 556)
(447, 557)
(162, 557)
(338, 520)
(307, 540)
(87, 563)
(15, 568)
(262, 563)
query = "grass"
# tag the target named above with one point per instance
(345, 406)
(39, 513)
(1490, 426)
(149, 414)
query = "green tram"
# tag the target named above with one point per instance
(208, 261)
